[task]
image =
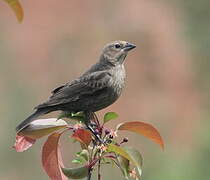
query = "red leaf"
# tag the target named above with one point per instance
(22, 143)
(83, 136)
(51, 158)
(144, 129)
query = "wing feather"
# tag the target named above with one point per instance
(73, 91)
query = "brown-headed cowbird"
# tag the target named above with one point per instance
(94, 90)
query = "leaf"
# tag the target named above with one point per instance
(17, 8)
(51, 158)
(83, 136)
(124, 164)
(105, 160)
(42, 127)
(76, 173)
(120, 151)
(82, 157)
(84, 154)
(136, 157)
(109, 116)
(78, 161)
(79, 116)
(128, 153)
(23, 143)
(144, 129)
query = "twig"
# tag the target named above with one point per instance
(92, 116)
(99, 170)
(89, 173)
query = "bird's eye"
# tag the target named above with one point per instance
(117, 46)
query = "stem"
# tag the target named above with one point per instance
(89, 173)
(91, 153)
(99, 170)
(90, 167)
(98, 140)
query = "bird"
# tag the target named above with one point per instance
(97, 88)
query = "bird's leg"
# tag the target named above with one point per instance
(89, 116)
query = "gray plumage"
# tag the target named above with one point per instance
(96, 89)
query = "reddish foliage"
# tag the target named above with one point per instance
(83, 136)
(22, 143)
(51, 158)
(144, 129)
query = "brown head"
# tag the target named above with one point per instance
(115, 52)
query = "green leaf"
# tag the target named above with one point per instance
(76, 173)
(128, 153)
(124, 164)
(78, 161)
(136, 157)
(84, 154)
(106, 160)
(82, 157)
(109, 116)
(119, 151)
(79, 116)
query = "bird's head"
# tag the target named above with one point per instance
(115, 52)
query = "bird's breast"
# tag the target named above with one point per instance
(117, 82)
(112, 92)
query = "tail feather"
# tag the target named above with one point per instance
(31, 118)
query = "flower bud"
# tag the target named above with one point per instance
(125, 140)
(96, 131)
(107, 131)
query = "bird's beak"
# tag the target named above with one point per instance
(129, 46)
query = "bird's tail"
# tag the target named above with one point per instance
(31, 118)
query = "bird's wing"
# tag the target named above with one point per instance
(57, 89)
(85, 85)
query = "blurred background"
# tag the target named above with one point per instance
(167, 77)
